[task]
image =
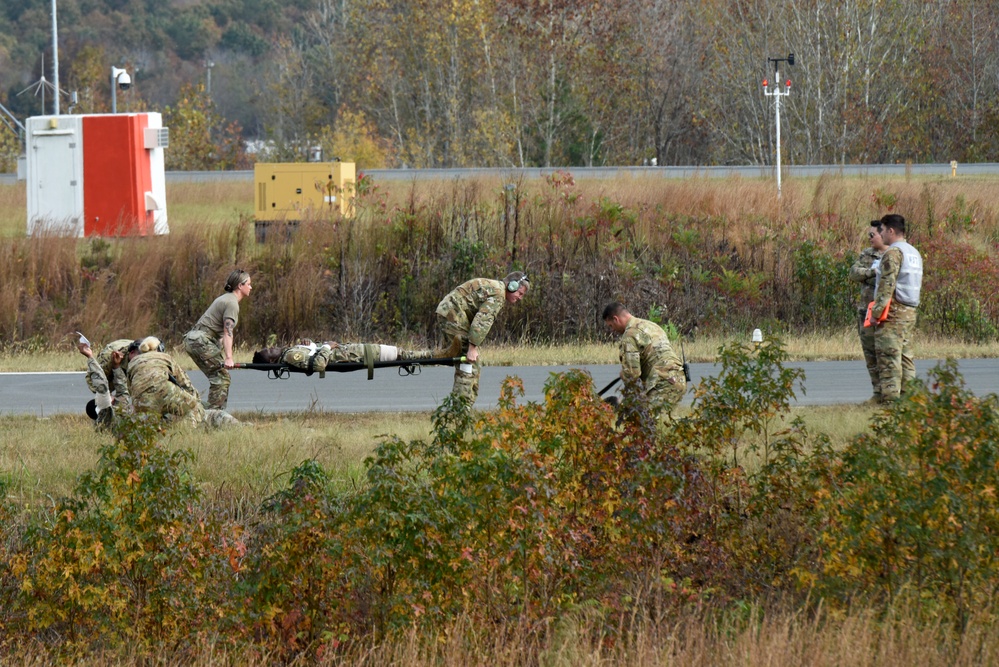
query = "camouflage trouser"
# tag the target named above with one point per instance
(415, 354)
(893, 343)
(867, 344)
(179, 406)
(172, 403)
(355, 352)
(210, 358)
(667, 392)
(466, 381)
(220, 419)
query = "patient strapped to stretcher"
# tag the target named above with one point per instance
(309, 356)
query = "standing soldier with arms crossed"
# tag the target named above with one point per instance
(893, 311)
(647, 355)
(210, 341)
(466, 315)
(865, 272)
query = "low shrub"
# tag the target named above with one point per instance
(537, 512)
(911, 510)
(126, 562)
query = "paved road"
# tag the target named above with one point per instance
(45, 394)
(596, 173)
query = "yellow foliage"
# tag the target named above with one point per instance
(355, 139)
(10, 149)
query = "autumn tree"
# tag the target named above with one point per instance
(968, 78)
(355, 139)
(549, 37)
(733, 107)
(293, 114)
(11, 148)
(200, 139)
(668, 70)
(89, 77)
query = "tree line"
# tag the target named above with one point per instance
(536, 82)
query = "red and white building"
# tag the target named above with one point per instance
(97, 175)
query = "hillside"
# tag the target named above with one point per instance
(527, 83)
(162, 44)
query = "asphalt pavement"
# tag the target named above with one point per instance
(47, 394)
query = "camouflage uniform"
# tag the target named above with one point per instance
(220, 419)
(98, 383)
(159, 386)
(317, 358)
(646, 354)
(204, 344)
(465, 316)
(893, 337)
(865, 272)
(97, 380)
(117, 375)
(153, 390)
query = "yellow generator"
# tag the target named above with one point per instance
(292, 191)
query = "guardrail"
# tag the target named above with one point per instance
(598, 173)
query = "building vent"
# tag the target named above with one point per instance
(156, 137)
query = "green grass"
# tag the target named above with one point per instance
(13, 211)
(41, 458)
(187, 204)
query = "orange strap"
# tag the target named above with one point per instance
(867, 317)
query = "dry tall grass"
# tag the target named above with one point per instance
(780, 639)
(860, 638)
(13, 211)
(925, 201)
(720, 256)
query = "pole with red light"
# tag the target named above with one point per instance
(777, 94)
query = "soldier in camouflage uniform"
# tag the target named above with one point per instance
(101, 408)
(465, 317)
(310, 356)
(160, 386)
(646, 354)
(119, 383)
(865, 272)
(893, 312)
(210, 342)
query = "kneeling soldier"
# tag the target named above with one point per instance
(159, 386)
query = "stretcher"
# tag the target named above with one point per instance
(282, 371)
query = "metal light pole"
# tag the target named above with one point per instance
(777, 94)
(55, 59)
(208, 77)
